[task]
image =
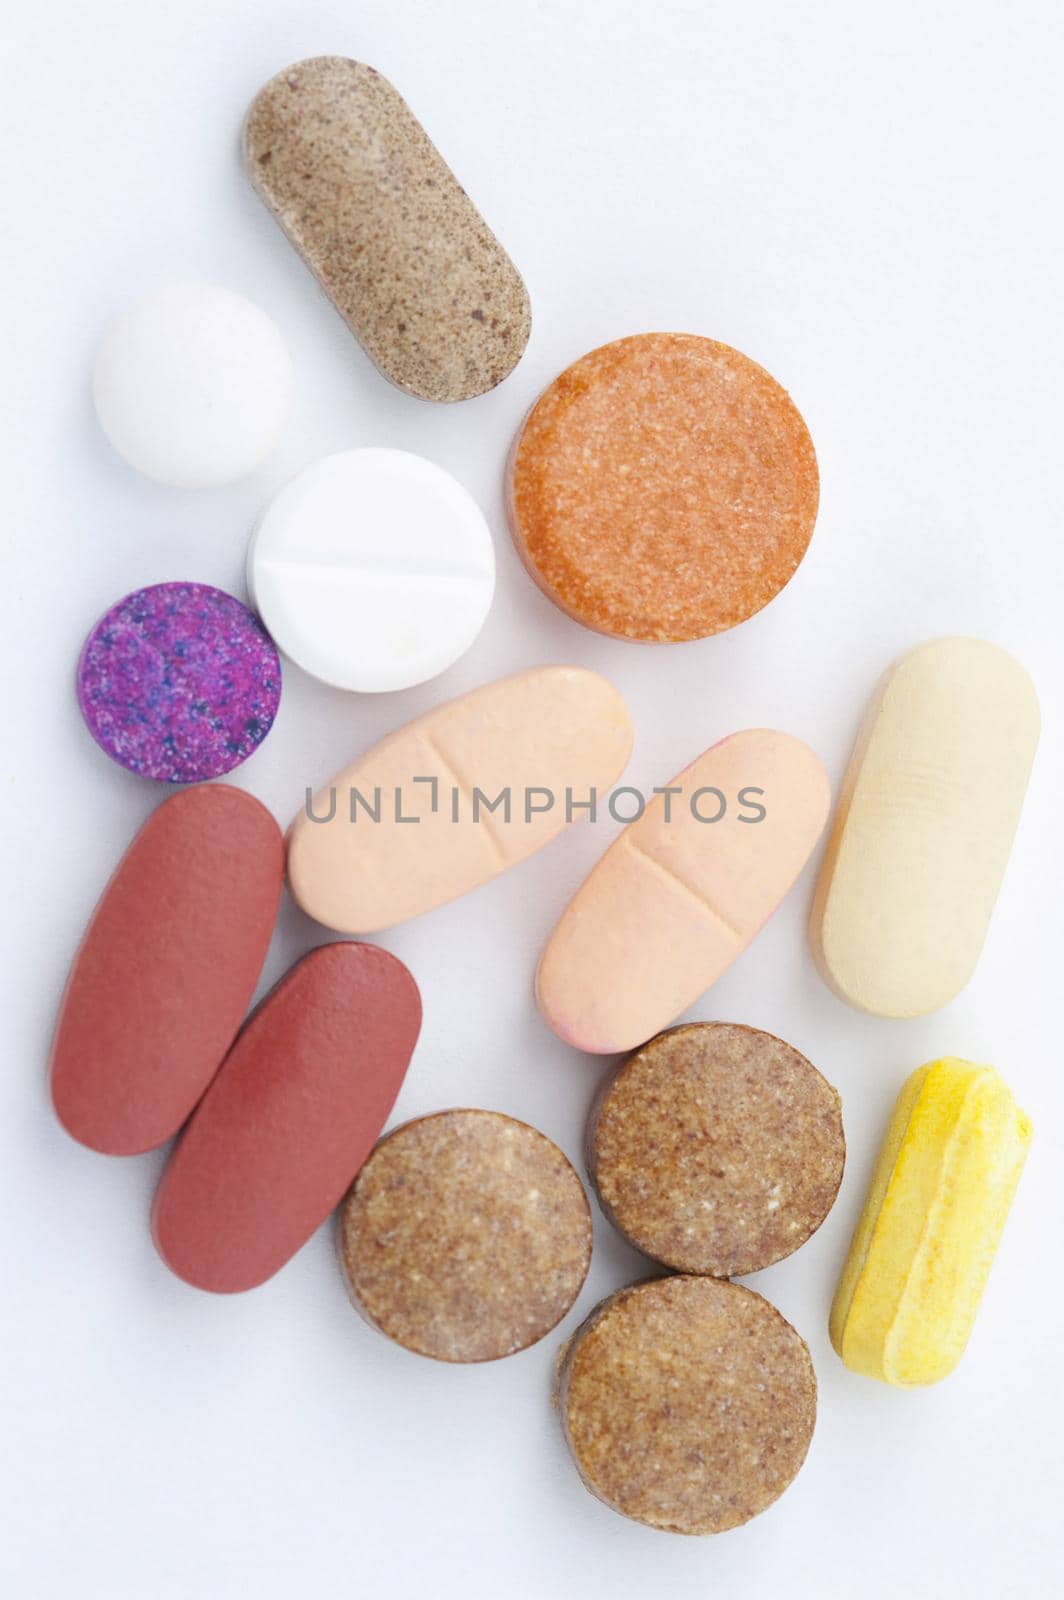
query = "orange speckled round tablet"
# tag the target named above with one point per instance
(663, 488)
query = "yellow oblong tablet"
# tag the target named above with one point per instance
(919, 1260)
(924, 827)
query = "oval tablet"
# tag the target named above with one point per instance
(466, 1236)
(683, 891)
(290, 1118)
(166, 969)
(381, 221)
(924, 826)
(373, 569)
(456, 797)
(716, 1149)
(687, 1404)
(663, 488)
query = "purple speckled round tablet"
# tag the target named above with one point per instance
(179, 682)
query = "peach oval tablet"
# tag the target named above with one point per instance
(166, 969)
(679, 895)
(456, 797)
(466, 1236)
(687, 1404)
(295, 1110)
(369, 203)
(924, 827)
(663, 488)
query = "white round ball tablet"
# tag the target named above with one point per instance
(192, 385)
(372, 570)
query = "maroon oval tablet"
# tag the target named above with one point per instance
(167, 969)
(290, 1118)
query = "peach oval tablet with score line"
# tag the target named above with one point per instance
(395, 834)
(675, 899)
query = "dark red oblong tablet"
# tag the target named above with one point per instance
(290, 1118)
(167, 969)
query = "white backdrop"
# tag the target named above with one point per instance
(864, 202)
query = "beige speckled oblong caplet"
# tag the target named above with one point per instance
(466, 1236)
(392, 237)
(688, 1403)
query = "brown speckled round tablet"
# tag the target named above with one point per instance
(687, 1403)
(663, 488)
(466, 1236)
(717, 1148)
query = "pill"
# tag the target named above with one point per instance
(192, 385)
(716, 1148)
(289, 1119)
(924, 827)
(456, 797)
(663, 488)
(179, 682)
(466, 1236)
(391, 236)
(909, 1292)
(166, 969)
(687, 1403)
(373, 569)
(683, 891)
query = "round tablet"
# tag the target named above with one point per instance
(466, 1236)
(717, 1148)
(192, 385)
(688, 1403)
(373, 569)
(663, 488)
(179, 682)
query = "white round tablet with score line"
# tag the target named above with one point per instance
(373, 569)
